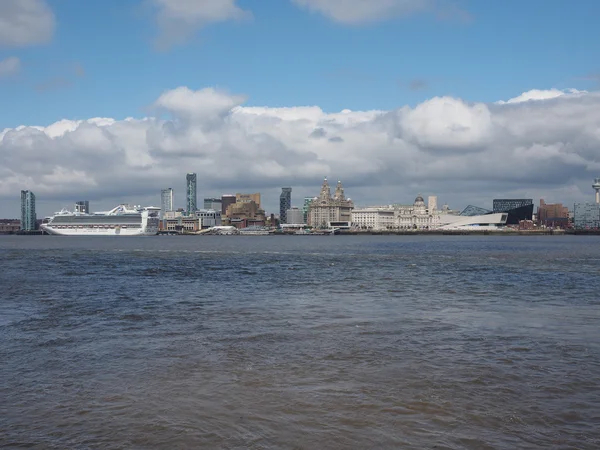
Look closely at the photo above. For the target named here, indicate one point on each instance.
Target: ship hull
(99, 231)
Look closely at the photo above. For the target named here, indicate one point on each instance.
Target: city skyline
(508, 117)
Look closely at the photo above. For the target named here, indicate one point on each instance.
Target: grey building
(212, 203)
(209, 217)
(82, 206)
(285, 203)
(191, 196)
(28, 217)
(226, 200)
(295, 216)
(166, 201)
(586, 216)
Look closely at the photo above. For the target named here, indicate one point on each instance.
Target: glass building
(166, 201)
(213, 203)
(586, 216)
(285, 203)
(28, 217)
(517, 208)
(305, 208)
(191, 197)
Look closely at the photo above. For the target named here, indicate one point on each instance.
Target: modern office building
(517, 209)
(28, 216)
(82, 206)
(327, 208)
(213, 203)
(226, 200)
(306, 207)
(586, 216)
(209, 217)
(294, 216)
(191, 204)
(166, 201)
(285, 203)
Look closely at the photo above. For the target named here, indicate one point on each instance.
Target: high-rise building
(82, 206)
(191, 196)
(28, 217)
(226, 200)
(213, 203)
(166, 201)
(247, 198)
(305, 208)
(285, 203)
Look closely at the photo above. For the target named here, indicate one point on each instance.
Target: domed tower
(419, 205)
(339, 191)
(596, 186)
(325, 191)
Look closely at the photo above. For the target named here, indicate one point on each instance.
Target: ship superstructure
(123, 220)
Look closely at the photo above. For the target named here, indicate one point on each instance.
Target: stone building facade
(327, 208)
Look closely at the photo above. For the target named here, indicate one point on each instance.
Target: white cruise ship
(123, 220)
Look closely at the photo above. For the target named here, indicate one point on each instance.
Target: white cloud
(537, 94)
(25, 22)
(179, 20)
(463, 152)
(365, 11)
(9, 66)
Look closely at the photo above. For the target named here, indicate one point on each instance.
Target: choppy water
(300, 342)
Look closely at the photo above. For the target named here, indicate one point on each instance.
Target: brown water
(300, 342)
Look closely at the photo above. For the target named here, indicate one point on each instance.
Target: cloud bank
(465, 152)
(25, 22)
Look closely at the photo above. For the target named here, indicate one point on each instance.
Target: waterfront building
(285, 203)
(9, 226)
(209, 217)
(327, 208)
(191, 196)
(166, 201)
(213, 203)
(28, 216)
(553, 214)
(586, 216)
(226, 200)
(517, 209)
(294, 216)
(82, 206)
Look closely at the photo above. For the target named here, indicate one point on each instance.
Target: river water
(300, 342)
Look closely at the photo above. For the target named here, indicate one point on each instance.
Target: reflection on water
(300, 342)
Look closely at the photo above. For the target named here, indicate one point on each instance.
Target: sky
(469, 100)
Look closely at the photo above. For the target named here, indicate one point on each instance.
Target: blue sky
(437, 69)
(101, 60)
